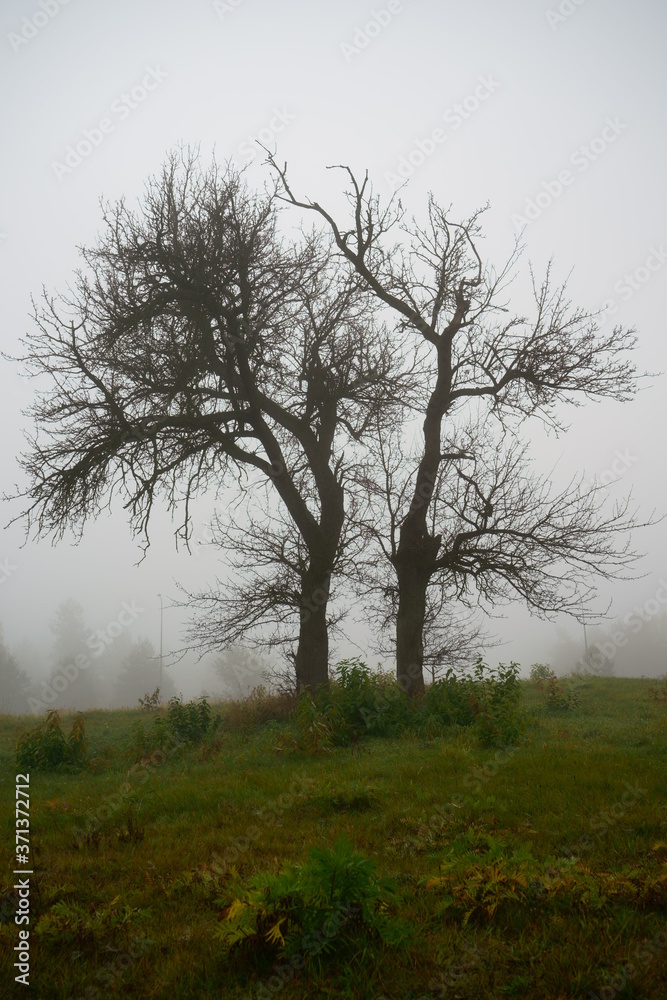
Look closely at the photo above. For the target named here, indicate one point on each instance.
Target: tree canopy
(202, 350)
(461, 517)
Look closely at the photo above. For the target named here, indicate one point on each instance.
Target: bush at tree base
(359, 702)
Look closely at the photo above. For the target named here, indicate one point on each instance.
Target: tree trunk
(312, 655)
(409, 631)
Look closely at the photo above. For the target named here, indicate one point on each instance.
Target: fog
(552, 112)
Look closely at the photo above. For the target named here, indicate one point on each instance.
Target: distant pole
(587, 656)
(161, 617)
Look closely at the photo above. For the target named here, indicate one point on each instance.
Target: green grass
(498, 905)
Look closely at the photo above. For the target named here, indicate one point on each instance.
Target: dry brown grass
(259, 707)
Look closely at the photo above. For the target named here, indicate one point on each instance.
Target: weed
(191, 722)
(186, 724)
(137, 745)
(363, 702)
(294, 911)
(555, 695)
(488, 700)
(502, 881)
(209, 750)
(359, 703)
(541, 672)
(69, 922)
(47, 748)
(658, 692)
(90, 839)
(151, 702)
(131, 833)
(449, 701)
(313, 730)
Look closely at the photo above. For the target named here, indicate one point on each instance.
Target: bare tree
(465, 517)
(197, 348)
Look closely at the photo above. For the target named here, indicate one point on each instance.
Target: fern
(71, 922)
(318, 907)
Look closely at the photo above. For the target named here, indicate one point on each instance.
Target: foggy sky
(503, 103)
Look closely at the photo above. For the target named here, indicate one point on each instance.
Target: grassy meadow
(532, 870)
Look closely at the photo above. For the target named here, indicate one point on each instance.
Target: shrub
(46, 747)
(451, 700)
(487, 700)
(188, 723)
(658, 692)
(313, 730)
(150, 702)
(360, 702)
(548, 685)
(541, 672)
(499, 718)
(318, 907)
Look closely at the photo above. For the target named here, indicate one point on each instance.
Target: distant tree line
(80, 675)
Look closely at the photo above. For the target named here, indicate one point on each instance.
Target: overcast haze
(507, 103)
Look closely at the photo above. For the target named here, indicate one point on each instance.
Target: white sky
(223, 72)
